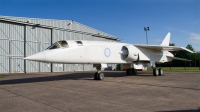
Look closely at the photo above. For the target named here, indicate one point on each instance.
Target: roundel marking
(107, 52)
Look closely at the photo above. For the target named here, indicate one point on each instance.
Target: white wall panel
(4, 47)
(4, 56)
(17, 48)
(58, 67)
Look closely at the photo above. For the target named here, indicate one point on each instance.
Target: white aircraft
(101, 53)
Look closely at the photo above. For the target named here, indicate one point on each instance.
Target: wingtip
(187, 50)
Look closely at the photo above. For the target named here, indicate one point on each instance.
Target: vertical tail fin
(166, 40)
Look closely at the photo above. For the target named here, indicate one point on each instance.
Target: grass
(180, 69)
(1, 76)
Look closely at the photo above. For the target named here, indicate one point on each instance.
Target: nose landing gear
(98, 75)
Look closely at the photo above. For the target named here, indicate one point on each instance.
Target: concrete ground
(78, 92)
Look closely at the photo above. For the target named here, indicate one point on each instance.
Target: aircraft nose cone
(36, 57)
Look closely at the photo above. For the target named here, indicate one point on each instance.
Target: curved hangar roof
(67, 25)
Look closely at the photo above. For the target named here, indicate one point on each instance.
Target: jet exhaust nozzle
(124, 52)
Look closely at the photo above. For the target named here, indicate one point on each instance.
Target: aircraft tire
(160, 72)
(134, 71)
(128, 72)
(131, 71)
(96, 76)
(155, 72)
(101, 76)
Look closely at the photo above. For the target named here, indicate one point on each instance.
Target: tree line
(194, 57)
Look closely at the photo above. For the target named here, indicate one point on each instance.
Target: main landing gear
(131, 71)
(158, 72)
(98, 75)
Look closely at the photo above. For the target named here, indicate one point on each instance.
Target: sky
(124, 19)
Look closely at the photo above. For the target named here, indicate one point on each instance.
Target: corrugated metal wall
(4, 47)
(18, 41)
(37, 39)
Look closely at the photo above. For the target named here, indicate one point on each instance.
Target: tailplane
(166, 40)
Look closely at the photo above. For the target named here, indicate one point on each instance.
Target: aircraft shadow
(198, 110)
(69, 76)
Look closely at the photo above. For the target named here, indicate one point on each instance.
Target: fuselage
(88, 52)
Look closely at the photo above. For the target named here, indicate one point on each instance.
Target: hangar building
(21, 37)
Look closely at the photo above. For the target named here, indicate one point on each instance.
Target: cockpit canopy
(59, 44)
(64, 44)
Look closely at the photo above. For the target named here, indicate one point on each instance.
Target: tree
(171, 44)
(190, 47)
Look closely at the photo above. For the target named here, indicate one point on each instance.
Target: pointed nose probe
(36, 57)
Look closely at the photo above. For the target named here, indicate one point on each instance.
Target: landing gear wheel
(155, 72)
(100, 76)
(128, 72)
(96, 76)
(131, 71)
(160, 72)
(134, 72)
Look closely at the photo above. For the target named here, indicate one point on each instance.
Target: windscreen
(56, 45)
(63, 44)
(59, 44)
